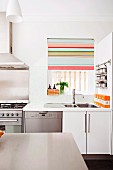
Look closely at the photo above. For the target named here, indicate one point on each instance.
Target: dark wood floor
(99, 164)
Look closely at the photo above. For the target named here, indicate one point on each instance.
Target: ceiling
(91, 8)
(97, 9)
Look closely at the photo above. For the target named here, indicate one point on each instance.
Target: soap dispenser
(49, 86)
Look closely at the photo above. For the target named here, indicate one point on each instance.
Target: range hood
(10, 62)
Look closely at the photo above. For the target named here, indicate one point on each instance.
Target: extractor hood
(9, 61)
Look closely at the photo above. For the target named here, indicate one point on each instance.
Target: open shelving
(101, 75)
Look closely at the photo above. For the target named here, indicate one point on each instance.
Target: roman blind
(70, 54)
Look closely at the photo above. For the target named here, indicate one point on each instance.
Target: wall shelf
(101, 76)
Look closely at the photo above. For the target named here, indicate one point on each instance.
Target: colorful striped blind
(70, 54)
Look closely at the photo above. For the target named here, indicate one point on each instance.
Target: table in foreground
(47, 151)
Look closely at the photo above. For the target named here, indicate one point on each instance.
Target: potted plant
(62, 85)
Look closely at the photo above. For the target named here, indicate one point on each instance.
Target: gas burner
(12, 105)
(19, 105)
(5, 106)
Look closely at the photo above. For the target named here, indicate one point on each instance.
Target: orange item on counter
(53, 92)
(1, 133)
(102, 100)
(105, 97)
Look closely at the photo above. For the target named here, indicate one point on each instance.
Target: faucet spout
(73, 92)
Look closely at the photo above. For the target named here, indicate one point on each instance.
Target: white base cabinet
(91, 130)
(99, 133)
(74, 122)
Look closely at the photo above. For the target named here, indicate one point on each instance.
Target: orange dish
(1, 133)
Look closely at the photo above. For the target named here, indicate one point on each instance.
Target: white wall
(30, 45)
(3, 5)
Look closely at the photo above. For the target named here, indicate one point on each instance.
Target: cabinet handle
(85, 123)
(43, 112)
(89, 124)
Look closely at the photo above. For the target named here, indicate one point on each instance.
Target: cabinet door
(74, 122)
(98, 132)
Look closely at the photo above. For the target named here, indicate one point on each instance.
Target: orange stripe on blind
(70, 46)
(66, 53)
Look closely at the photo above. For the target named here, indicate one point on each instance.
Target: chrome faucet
(73, 92)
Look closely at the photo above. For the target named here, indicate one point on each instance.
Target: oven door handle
(8, 120)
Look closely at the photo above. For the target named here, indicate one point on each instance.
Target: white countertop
(53, 151)
(59, 107)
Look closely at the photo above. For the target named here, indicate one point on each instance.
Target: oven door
(11, 125)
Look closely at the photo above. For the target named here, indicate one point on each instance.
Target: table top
(40, 151)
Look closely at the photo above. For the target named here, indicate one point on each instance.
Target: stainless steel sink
(81, 105)
(87, 105)
(70, 105)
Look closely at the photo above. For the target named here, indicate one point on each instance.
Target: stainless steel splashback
(14, 85)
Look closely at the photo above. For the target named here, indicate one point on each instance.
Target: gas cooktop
(12, 105)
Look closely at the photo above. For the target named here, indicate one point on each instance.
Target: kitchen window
(81, 80)
(71, 60)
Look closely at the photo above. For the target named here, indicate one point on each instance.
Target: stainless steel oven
(11, 117)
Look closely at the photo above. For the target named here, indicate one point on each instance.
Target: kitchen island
(47, 151)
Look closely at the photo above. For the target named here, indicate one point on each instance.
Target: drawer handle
(43, 113)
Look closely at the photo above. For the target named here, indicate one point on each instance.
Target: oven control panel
(10, 113)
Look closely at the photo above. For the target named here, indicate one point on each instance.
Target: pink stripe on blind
(70, 67)
(70, 45)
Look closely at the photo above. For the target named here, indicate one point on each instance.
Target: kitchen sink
(70, 105)
(87, 105)
(81, 105)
